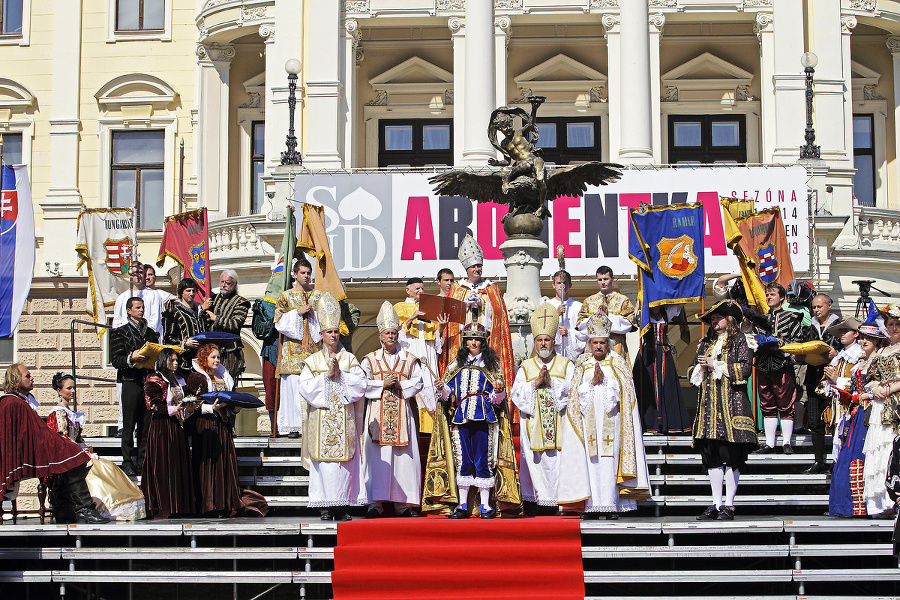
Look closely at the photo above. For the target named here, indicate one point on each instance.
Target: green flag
(281, 270)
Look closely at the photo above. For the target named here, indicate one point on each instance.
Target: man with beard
(227, 312)
(540, 391)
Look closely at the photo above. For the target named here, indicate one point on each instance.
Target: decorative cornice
(893, 44)
(757, 3)
(610, 23)
(215, 53)
(248, 13)
(351, 26)
(507, 4)
(356, 6)
(456, 24)
(267, 33)
(848, 22)
(604, 3)
(663, 3)
(451, 4)
(504, 24)
(657, 20)
(763, 21)
(867, 5)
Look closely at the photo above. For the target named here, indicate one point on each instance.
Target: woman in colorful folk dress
(166, 478)
(846, 498)
(723, 431)
(115, 496)
(884, 421)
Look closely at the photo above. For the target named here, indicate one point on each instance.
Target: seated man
(28, 448)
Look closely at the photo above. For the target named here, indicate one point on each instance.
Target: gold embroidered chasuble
(616, 303)
(292, 352)
(544, 425)
(585, 425)
(388, 418)
(332, 431)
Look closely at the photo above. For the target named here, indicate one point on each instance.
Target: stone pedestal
(522, 257)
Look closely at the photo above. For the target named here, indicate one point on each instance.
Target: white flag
(104, 243)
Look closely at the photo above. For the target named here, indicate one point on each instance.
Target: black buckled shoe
(726, 513)
(460, 512)
(487, 512)
(710, 514)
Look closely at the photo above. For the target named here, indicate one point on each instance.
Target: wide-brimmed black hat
(728, 308)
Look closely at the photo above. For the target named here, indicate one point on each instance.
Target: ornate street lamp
(291, 156)
(809, 149)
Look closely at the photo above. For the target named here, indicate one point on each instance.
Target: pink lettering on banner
(564, 225)
(490, 238)
(418, 232)
(714, 231)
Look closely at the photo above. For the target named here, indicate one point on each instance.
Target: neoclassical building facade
(176, 104)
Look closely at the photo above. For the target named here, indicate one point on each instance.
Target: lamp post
(809, 149)
(291, 156)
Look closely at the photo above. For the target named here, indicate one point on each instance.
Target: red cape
(28, 448)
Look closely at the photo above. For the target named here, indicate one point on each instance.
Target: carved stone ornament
(249, 13)
(663, 3)
(757, 3)
(356, 6)
(870, 93)
(609, 22)
(254, 102)
(658, 20)
(456, 24)
(202, 28)
(867, 5)
(451, 4)
(671, 94)
(742, 93)
(763, 20)
(448, 97)
(267, 32)
(847, 23)
(381, 98)
(211, 3)
(216, 53)
(351, 26)
(507, 4)
(520, 309)
(604, 3)
(893, 44)
(598, 94)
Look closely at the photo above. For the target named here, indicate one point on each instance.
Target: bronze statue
(523, 182)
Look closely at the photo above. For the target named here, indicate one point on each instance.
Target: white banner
(391, 225)
(104, 243)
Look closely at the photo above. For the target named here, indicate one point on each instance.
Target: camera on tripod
(862, 303)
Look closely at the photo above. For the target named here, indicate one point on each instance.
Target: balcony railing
(877, 228)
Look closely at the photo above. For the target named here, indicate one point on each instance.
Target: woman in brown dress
(212, 443)
(166, 478)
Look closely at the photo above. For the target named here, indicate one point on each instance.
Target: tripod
(862, 303)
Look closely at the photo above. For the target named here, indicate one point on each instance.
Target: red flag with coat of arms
(186, 241)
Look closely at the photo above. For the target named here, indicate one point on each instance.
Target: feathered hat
(328, 312)
(470, 252)
(544, 320)
(387, 317)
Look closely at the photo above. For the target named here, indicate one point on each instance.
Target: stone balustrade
(877, 228)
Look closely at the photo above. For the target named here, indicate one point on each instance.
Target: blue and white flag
(17, 245)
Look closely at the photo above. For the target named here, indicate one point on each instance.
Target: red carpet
(436, 557)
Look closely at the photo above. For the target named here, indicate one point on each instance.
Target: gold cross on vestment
(608, 440)
(592, 439)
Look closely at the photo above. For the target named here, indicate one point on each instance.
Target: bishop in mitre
(393, 468)
(540, 391)
(333, 383)
(603, 464)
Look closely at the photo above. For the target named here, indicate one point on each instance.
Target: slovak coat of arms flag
(667, 244)
(186, 241)
(105, 243)
(17, 245)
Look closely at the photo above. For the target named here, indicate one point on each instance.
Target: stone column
(656, 27)
(765, 33)
(613, 81)
(502, 27)
(848, 23)
(212, 143)
(458, 35)
(352, 56)
(325, 114)
(63, 201)
(276, 115)
(893, 44)
(480, 82)
(634, 89)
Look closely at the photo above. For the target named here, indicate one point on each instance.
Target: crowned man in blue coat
(474, 429)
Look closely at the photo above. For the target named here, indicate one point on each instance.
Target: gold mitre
(387, 317)
(470, 252)
(328, 312)
(598, 325)
(544, 320)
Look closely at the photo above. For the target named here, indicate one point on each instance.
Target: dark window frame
(870, 151)
(562, 153)
(140, 27)
(257, 156)
(138, 168)
(706, 153)
(9, 134)
(11, 34)
(417, 156)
